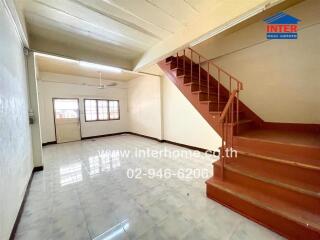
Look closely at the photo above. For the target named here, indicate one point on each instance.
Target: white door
(67, 120)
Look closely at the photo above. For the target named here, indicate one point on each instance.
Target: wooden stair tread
(216, 114)
(299, 161)
(243, 121)
(175, 68)
(276, 183)
(241, 166)
(204, 92)
(194, 77)
(219, 112)
(210, 101)
(269, 203)
(197, 84)
(286, 137)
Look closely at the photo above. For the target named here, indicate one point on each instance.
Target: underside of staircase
(275, 177)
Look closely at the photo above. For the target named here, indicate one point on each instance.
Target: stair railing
(227, 125)
(205, 70)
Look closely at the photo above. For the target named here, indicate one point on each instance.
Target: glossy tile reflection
(70, 174)
(84, 193)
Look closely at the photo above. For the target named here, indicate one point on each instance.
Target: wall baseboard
(38, 169)
(145, 136)
(216, 153)
(49, 143)
(104, 135)
(16, 223)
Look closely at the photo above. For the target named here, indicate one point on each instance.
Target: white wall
(149, 105)
(144, 105)
(280, 77)
(182, 123)
(34, 108)
(158, 109)
(15, 138)
(51, 86)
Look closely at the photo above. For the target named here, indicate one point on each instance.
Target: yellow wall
(281, 77)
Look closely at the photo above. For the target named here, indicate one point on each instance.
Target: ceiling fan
(102, 86)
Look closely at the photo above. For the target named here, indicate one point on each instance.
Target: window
(101, 110)
(90, 108)
(114, 109)
(66, 108)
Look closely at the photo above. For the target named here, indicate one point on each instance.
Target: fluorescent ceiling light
(56, 57)
(100, 67)
(231, 23)
(82, 63)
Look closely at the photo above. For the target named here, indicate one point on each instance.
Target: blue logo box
(282, 35)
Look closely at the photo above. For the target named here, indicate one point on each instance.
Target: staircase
(275, 177)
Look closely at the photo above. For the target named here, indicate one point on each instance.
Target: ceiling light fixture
(100, 67)
(82, 63)
(234, 22)
(56, 57)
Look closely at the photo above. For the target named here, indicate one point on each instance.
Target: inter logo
(282, 26)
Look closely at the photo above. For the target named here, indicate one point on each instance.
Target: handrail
(228, 105)
(210, 61)
(227, 123)
(226, 86)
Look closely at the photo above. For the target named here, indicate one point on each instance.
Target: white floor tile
(84, 193)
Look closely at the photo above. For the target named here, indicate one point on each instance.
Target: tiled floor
(84, 193)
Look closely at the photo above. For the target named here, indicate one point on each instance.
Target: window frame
(60, 98)
(118, 109)
(97, 109)
(85, 115)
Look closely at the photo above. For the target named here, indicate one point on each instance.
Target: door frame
(54, 115)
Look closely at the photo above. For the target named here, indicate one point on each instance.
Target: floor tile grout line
(74, 153)
(85, 218)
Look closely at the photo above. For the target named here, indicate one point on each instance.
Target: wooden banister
(219, 68)
(200, 74)
(228, 106)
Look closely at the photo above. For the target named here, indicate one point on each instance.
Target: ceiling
(73, 68)
(122, 28)
(242, 35)
(152, 69)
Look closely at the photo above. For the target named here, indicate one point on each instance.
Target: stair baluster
(279, 189)
(227, 118)
(199, 72)
(208, 79)
(184, 62)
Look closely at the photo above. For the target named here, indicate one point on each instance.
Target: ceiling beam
(73, 13)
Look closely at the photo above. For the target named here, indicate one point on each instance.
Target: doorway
(67, 119)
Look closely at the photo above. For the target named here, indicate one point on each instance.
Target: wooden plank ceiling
(124, 28)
